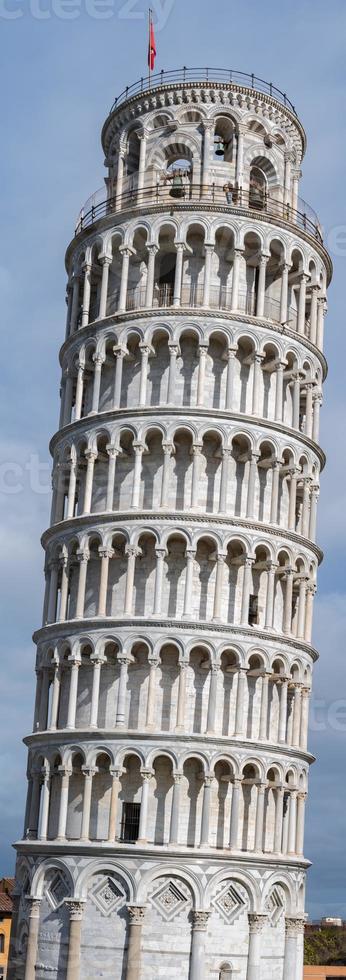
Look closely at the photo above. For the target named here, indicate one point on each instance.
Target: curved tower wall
(168, 764)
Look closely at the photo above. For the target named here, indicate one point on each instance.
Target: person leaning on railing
(232, 192)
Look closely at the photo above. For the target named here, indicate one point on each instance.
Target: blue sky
(62, 63)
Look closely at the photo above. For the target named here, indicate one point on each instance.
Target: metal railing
(192, 297)
(225, 76)
(164, 193)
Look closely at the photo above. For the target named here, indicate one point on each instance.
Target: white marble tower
(168, 764)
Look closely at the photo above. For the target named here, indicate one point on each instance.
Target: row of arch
(195, 373)
(255, 810)
(171, 690)
(175, 469)
(187, 269)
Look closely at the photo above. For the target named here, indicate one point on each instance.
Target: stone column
(105, 262)
(190, 557)
(64, 564)
(296, 400)
(313, 312)
(258, 358)
(119, 183)
(202, 353)
(238, 253)
(196, 454)
(71, 498)
(91, 456)
(261, 284)
(161, 554)
(302, 304)
(276, 465)
(132, 554)
(145, 351)
(173, 354)
(246, 591)
(292, 825)
(279, 809)
(297, 716)
(293, 961)
(120, 353)
(239, 714)
(304, 719)
(139, 450)
(226, 456)
(279, 391)
(75, 304)
(231, 355)
(256, 926)
(150, 716)
(95, 693)
(321, 310)
(88, 774)
(62, 819)
(143, 818)
(53, 590)
(68, 395)
(126, 254)
(240, 155)
(168, 451)
(283, 710)
(269, 615)
(234, 828)
(311, 592)
(207, 138)
(86, 294)
(292, 499)
(308, 412)
(317, 402)
(263, 732)
(113, 453)
(198, 938)
(105, 555)
(83, 558)
(149, 293)
(287, 177)
(208, 782)
(250, 505)
(122, 690)
(180, 247)
(306, 483)
(141, 166)
(212, 701)
(261, 788)
(31, 950)
(300, 824)
(43, 713)
(98, 362)
(208, 252)
(220, 565)
(175, 811)
(284, 294)
(44, 809)
(76, 909)
(136, 920)
(53, 721)
(113, 809)
(287, 617)
(296, 175)
(36, 776)
(72, 701)
(301, 608)
(180, 726)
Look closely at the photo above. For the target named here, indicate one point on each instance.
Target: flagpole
(149, 48)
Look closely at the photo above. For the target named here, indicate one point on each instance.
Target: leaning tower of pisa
(168, 763)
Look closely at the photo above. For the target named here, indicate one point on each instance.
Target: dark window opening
(130, 822)
(253, 610)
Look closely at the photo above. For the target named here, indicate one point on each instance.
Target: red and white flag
(152, 44)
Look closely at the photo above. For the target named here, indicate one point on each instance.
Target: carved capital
(294, 927)
(200, 920)
(75, 908)
(257, 922)
(136, 914)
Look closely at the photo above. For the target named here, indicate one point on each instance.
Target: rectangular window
(130, 822)
(253, 610)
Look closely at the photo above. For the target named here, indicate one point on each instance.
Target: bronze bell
(219, 148)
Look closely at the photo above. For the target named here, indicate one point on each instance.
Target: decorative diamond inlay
(107, 895)
(230, 902)
(275, 905)
(57, 890)
(169, 900)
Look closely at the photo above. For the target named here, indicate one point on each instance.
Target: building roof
(7, 885)
(5, 903)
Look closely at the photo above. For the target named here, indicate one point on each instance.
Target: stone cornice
(150, 517)
(222, 743)
(140, 624)
(170, 313)
(99, 419)
(222, 858)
